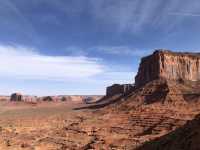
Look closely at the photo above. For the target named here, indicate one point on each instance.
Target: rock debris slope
(184, 138)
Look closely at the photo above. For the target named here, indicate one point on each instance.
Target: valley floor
(57, 126)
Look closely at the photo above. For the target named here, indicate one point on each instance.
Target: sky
(79, 47)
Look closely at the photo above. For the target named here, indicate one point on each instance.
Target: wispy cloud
(184, 14)
(137, 15)
(121, 14)
(11, 14)
(22, 62)
(131, 16)
(122, 50)
(109, 50)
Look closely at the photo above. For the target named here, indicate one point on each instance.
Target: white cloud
(22, 62)
(78, 74)
(136, 15)
(122, 50)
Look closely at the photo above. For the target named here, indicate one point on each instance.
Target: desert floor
(36, 126)
(57, 126)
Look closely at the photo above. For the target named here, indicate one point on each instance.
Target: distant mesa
(63, 99)
(48, 99)
(16, 97)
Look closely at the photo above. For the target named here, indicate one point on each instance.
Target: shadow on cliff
(183, 138)
(158, 94)
(155, 91)
(107, 100)
(148, 95)
(102, 103)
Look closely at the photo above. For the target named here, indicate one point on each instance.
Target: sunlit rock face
(170, 66)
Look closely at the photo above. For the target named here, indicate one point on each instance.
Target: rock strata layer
(170, 66)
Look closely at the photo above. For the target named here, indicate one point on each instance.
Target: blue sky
(52, 47)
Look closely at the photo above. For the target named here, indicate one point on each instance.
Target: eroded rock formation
(48, 98)
(119, 89)
(16, 97)
(170, 66)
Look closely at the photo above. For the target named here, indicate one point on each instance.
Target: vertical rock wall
(170, 66)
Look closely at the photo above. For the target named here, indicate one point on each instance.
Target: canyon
(161, 109)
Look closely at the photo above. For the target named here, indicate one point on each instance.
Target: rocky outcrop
(183, 138)
(164, 77)
(119, 89)
(48, 98)
(170, 66)
(16, 97)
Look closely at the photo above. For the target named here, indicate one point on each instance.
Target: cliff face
(119, 89)
(170, 66)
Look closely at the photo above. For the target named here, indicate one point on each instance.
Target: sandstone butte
(166, 95)
(170, 66)
(164, 69)
(16, 97)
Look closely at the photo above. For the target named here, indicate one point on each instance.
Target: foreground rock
(159, 104)
(184, 138)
